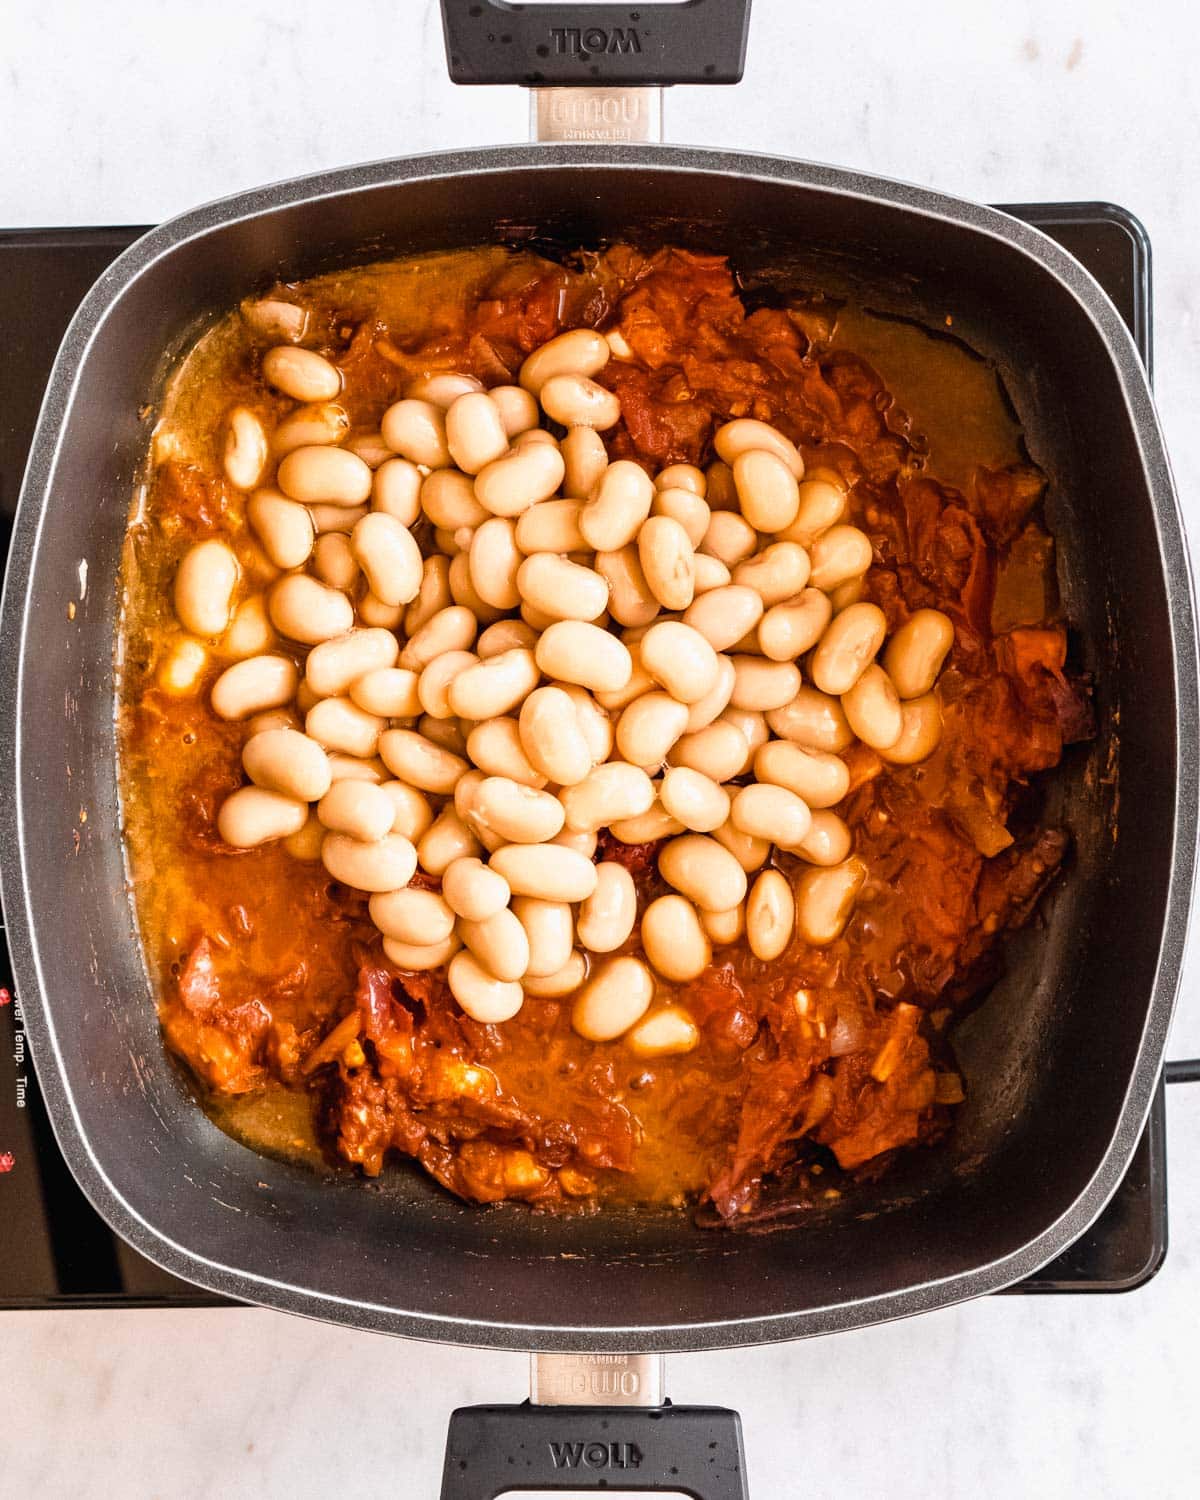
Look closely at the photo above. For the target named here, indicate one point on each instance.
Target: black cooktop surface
(54, 1250)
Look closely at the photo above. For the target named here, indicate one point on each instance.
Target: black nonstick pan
(1061, 1060)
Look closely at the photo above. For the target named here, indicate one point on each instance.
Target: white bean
(417, 760)
(839, 555)
(607, 794)
(283, 526)
(515, 814)
(384, 865)
(770, 812)
(419, 957)
(565, 982)
(790, 629)
(552, 526)
(307, 611)
(827, 841)
(730, 537)
(921, 733)
(649, 726)
(915, 653)
(745, 433)
(246, 451)
(813, 719)
(443, 388)
(358, 808)
(550, 931)
(473, 890)
(301, 374)
(680, 659)
(574, 400)
(668, 561)
(411, 813)
(417, 431)
(335, 665)
(666, 1032)
(724, 927)
(552, 738)
(494, 745)
(494, 687)
(685, 506)
(711, 573)
(620, 503)
(390, 692)
(447, 839)
(255, 684)
(204, 588)
(822, 505)
(613, 999)
(648, 828)
(750, 851)
(767, 489)
(593, 721)
(518, 409)
(822, 780)
(559, 588)
(872, 709)
(724, 615)
(388, 554)
(585, 458)
(825, 900)
(705, 710)
(606, 918)
(396, 491)
(334, 561)
(305, 843)
(630, 598)
(484, 998)
(847, 648)
(718, 751)
(250, 632)
(760, 686)
(412, 915)
(320, 475)
(448, 499)
(340, 725)
(701, 869)
(475, 433)
(777, 573)
(770, 915)
(434, 683)
(674, 940)
(524, 476)
(283, 760)
(580, 351)
(694, 800)
(547, 870)
(573, 651)
(252, 816)
(314, 425)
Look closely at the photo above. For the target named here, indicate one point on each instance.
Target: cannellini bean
(483, 997)
(559, 588)
(417, 431)
(246, 451)
(770, 812)
(301, 374)
(335, 518)
(649, 726)
(448, 838)
(839, 555)
(790, 629)
(813, 719)
(181, 672)
(273, 718)
(613, 999)
(701, 869)
(748, 849)
(450, 629)
(586, 458)
(494, 687)
(504, 635)
(378, 615)
(744, 433)
(767, 490)
(763, 685)
(516, 814)
(388, 554)
(711, 573)
(686, 507)
(534, 436)
(872, 709)
(442, 388)
(475, 433)
(847, 648)
(630, 598)
(518, 409)
(257, 683)
(682, 477)
(668, 562)
(827, 841)
(334, 562)
(820, 779)
(565, 982)
(495, 746)
(825, 900)
(552, 526)
(433, 595)
(577, 401)
(667, 1032)
(320, 475)
(582, 840)
(252, 816)
(547, 870)
(370, 447)
(693, 800)
(283, 760)
(524, 476)
(358, 808)
(306, 843)
(318, 423)
(705, 710)
(552, 737)
(550, 930)
(396, 491)
(304, 610)
(729, 537)
(822, 505)
(448, 499)
(680, 659)
(433, 685)
(474, 891)
(724, 615)
(648, 829)
(306, 698)
(573, 651)
(921, 733)
(674, 940)
(753, 728)
(619, 504)
(724, 927)
(447, 733)
(494, 561)
(204, 588)
(462, 591)
(847, 593)
(607, 794)
(350, 767)
(417, 760)
(581, 351)
(271, 317)
(340, 725)
(718, 751)
(283, 526)
(419, 957)
(777, 573)
(770, 915)
(411, 813)
(412, 915)
(606, 918)
(389, 692)
(595, 723)
(250, 631)
(640, 681)
(335, 665)
(915, 654)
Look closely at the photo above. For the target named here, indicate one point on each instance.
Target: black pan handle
(1184, 1070)
(551, 46)
(696, 1450)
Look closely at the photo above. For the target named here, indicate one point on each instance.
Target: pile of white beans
(497, 643)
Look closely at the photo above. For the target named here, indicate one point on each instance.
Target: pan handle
(564, 45)
(695, 1450)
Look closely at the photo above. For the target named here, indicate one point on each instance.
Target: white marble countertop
(129, 114)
